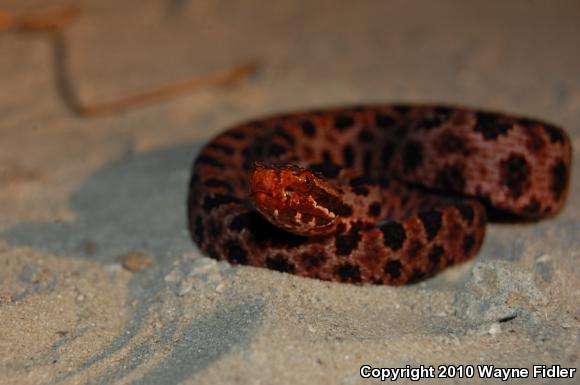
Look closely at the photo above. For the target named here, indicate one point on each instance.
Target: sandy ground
(99, 281)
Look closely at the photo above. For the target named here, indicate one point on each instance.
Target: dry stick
(48, 19)
(44, 20)
(68, 93)
(53, 21)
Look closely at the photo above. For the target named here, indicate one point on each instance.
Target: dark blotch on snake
(348, 273)
(368, 162)
(282, 133)
(375, 209)
(533, 207)
(211, 201)
(514, 174)
(558, 179)
(276, 150)
(236, 253)
(210, 160)
(213, 182)
(490, 126)
(313, 260)
(417, 275)
(431, 222)
(468, 243)
(555, 134)
(451, 178)
(412, 156)
(343, 122)
(328, 169)
(199, 237)
(385, 121)
(346, 243)
(280, 263)
(430, 122)
(387, 153)
(393, 269)
(365, 136)
(362, 181)
(361, 190)
(466, 212)
(435, 254)
(308, 128)
(348, 155)
(393, 235)
(450, 143)
(237, 135)
(228, 150)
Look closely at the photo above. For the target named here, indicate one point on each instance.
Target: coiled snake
(384, 194)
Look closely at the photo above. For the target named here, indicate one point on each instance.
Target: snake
(375, 194)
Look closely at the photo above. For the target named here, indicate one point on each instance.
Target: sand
(99, 280)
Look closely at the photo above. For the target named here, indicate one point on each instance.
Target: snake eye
(308, 183)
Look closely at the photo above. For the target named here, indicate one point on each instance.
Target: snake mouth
(291, 219)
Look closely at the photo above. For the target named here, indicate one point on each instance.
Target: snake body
(382, 194)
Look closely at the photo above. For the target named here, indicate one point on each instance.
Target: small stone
(498, 290)
(202, 268)
(495, 329)
(220, 287)
(113, 267)
(185, 286)
(544, 258)
(6, 298)
(136, 261)
(173, 277)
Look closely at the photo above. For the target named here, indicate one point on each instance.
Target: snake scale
(380, 194)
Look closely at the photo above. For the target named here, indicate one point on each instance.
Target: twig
(47, 19)
(167, 91)
(53, 21)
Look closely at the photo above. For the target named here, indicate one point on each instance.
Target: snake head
(295, 199)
